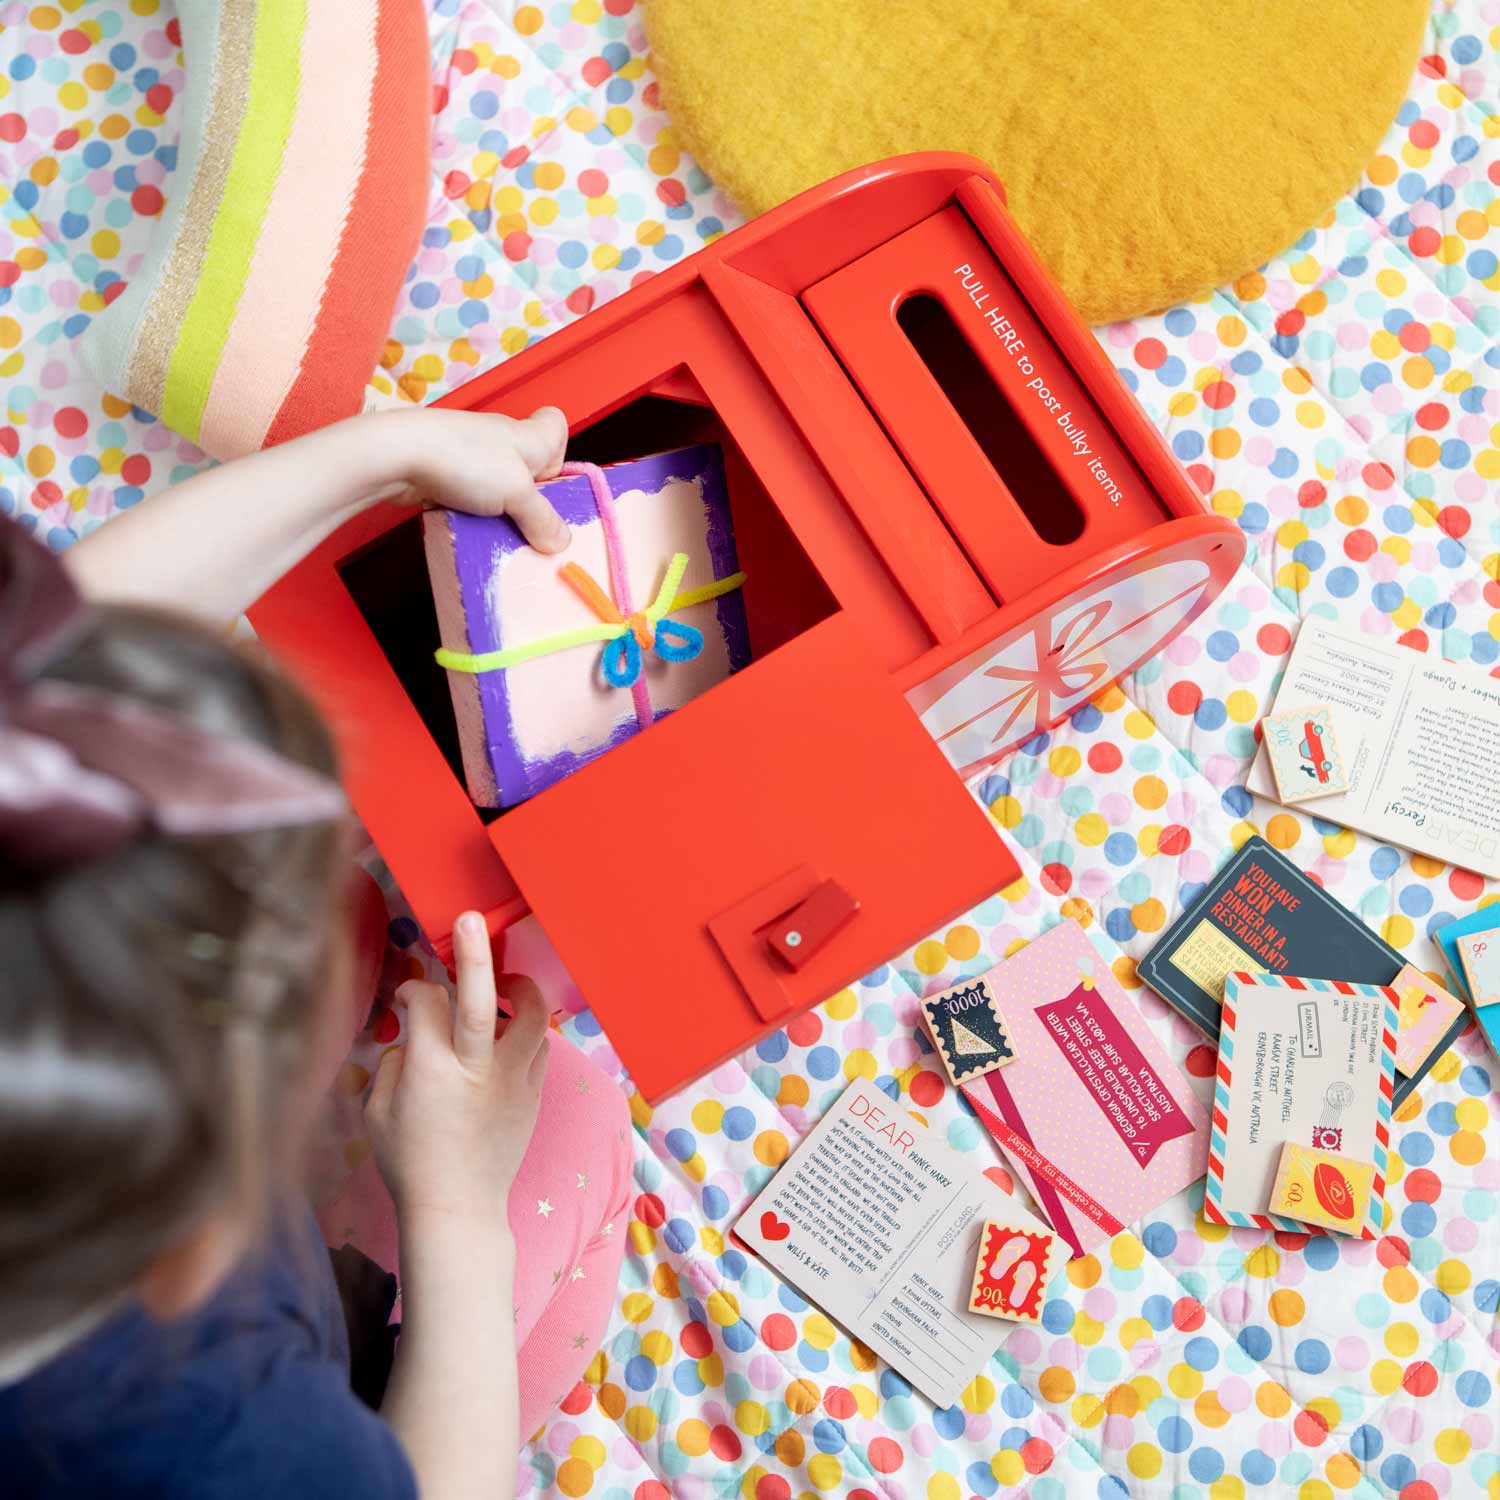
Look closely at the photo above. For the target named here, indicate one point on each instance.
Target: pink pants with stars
(567, 1215)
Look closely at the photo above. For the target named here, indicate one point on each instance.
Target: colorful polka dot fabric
(1342, 404)
(556, 184)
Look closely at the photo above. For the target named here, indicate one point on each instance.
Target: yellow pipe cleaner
(612, 625)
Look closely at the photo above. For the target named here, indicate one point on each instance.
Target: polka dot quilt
(1342, 404)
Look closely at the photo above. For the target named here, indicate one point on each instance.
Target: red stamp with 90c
(1012, 1271)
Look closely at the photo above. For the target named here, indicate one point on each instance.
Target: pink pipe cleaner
(619, 578)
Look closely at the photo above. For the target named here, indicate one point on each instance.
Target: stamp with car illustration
(1304, 754)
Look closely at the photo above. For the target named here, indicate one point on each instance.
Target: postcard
(1098, 1120)
(1310, 1061)
(877, 1221)
(1420, 739)
(1260, 913)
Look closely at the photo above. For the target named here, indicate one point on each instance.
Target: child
(174, 981)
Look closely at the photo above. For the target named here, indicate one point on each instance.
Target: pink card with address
(1098, 1120)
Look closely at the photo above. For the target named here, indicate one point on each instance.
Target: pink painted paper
(1098, 1120)
(562, 705)
(526, 726)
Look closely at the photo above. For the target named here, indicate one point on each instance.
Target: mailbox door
(658, 869)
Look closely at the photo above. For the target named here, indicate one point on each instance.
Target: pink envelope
(1093, 1114)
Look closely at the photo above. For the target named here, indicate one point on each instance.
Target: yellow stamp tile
(1322, 1188)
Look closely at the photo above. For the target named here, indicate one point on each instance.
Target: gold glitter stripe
(147, 379)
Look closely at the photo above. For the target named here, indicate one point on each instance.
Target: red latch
(796, 937)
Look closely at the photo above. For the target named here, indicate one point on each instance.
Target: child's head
(157, 990)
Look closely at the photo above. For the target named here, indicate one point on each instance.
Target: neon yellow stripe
(275, 82)
(494, 661)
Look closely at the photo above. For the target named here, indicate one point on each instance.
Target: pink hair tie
(83, 770)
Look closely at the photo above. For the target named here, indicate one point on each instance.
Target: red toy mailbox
(942, 493)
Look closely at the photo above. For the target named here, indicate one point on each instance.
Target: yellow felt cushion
(1152, 149)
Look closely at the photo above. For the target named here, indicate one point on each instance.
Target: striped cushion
(262, 305)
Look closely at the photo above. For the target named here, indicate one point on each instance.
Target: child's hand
(271, 509)
(476, 461)
(452, 1111)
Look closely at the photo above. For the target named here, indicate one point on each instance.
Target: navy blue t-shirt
(249, 1397)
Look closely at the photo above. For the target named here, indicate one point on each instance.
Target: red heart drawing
(772, 1227)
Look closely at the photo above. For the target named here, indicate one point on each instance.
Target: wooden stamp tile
(1427, 1011)
(1479, 954)
(1304, 754)
(967, 1030)
(1012, 1271)
(1320, 1187)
